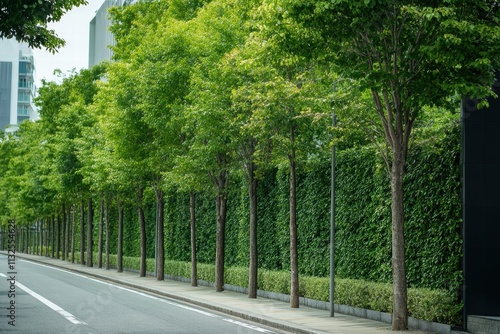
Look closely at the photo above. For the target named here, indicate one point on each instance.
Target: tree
(148, 45)
(163, 60)
(26, 21)
(279, 122)
(281, 92)
(216, 30)
(128, 138)
(65, 121)
(409, 55)
(233, 80)
(22, 177)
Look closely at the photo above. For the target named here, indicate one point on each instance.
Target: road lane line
(70, 317)
(166, 301)
(209, 314)
(243, 324)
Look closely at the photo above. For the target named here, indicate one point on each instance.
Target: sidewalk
(268, 312)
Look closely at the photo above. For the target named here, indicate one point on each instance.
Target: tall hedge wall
(362, 243)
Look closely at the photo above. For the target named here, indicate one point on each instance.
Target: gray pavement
(268, 312)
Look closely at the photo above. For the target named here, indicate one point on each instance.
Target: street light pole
(332, 223)
(156, 238)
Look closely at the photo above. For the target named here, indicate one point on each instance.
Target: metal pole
(332, 227)
(156, 238)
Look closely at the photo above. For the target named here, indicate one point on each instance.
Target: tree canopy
(26, 21)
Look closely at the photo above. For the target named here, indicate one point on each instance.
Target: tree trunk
(63, 233)
(73, 223)
(58, 237)
(194, 267)
(119, 252)
(106, 246)
(160, 237)
(20, 236)
(66, 235)
(82, 233)
(24, 232)
(142, 228)
(252, 194)
(40, 224)
(28, 240)
(221, 206)
(99, 242)
(90, 239)
(294, 265)
(400, 313)
(52, 236)
(47, 238)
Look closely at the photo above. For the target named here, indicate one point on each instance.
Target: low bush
(236, 276)
(434, 305)
(178, 268)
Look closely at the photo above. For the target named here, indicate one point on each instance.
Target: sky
(74, 29)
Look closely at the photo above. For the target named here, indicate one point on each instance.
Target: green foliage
(434, 305)
(237, 276)
(27, 21)
(177, 226)
(206, 272)
(129, 24)
(270, 251)
(362, 216)
(178, 268)
(275, 281)
(434, 215)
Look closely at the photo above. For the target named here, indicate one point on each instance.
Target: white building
(17, 89)
(100, 38)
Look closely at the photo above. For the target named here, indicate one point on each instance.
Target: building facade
(100, 38)
(480, 164)
(17, 88)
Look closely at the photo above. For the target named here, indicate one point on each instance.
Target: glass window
(22, 118)
(23, 110)
(23, 96)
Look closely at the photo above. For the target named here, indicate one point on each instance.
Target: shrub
(236, 276)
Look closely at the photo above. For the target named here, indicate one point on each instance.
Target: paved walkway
(265, 311)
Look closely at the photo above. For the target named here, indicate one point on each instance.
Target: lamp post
(332, 222)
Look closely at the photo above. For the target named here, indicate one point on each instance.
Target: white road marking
(208, 314)
(70, 317)
(212, 315)
(243, 324)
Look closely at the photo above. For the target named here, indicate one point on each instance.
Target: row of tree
(201, 90)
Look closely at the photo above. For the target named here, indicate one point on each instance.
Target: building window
(25, 68)
(21, 119)
(24, 83)
(23, 110)
(23, 96)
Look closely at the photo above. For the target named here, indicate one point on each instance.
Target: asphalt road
(50, 300)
